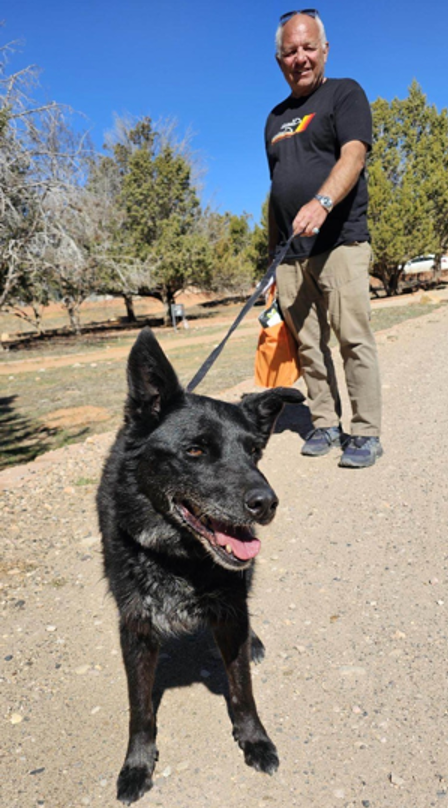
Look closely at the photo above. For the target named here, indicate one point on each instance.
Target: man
(316, 142)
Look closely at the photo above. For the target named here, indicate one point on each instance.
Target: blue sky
(211, 67)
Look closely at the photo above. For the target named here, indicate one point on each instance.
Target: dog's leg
(140, 653)
(233, 640)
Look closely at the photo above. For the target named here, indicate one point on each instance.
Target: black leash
(262, 287)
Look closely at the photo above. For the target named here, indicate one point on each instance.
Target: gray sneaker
(360, 452)
(319, 441)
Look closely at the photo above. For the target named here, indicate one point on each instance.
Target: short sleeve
(352, 114)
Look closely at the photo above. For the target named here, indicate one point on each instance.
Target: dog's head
(195, 458)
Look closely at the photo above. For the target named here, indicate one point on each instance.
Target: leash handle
(266, 281)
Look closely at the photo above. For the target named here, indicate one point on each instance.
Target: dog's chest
(176, 604)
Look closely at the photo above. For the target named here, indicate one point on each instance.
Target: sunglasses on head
(310, 12)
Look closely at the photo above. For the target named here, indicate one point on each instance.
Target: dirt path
(350, 599)
(186, 337)
(167, 339)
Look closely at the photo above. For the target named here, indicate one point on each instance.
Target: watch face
(325, 201)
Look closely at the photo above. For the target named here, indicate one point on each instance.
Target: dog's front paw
(262, 755)
(132, 783)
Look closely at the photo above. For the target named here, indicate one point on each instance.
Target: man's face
(303, 55)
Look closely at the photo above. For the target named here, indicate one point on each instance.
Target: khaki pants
(327, 291)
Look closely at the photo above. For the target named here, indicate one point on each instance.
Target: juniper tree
(408, 183)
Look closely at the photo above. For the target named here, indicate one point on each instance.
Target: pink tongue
(241, 549)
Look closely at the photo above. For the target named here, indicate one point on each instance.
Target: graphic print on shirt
(296, 126)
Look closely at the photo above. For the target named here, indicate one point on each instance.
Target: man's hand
(342, 178)
(309, 218)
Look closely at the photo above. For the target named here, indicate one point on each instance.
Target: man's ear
(264, 408)
(152, 381)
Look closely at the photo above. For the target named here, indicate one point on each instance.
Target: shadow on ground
(22, 438)
(189, 659)
(295, 418)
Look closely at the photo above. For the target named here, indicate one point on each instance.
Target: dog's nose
(261, 504)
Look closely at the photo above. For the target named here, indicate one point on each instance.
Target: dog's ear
(264, 408)
(152, 382)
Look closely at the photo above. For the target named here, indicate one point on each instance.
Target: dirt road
(351, 600)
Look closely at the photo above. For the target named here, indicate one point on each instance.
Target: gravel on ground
(350, 599)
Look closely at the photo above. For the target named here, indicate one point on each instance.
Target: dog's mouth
(234, 545)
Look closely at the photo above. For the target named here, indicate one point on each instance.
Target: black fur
(179, 495)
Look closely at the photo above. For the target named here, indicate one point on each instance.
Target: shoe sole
(325, 450)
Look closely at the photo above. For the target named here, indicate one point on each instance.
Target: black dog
(178, 498)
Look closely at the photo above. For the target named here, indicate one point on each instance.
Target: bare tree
(48, 223)
(20, 186)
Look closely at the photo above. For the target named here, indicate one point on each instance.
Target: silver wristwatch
(325, 201)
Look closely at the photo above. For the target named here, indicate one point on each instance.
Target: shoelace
(320, 431)
(358, 441)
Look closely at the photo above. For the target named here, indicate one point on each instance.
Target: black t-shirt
(303, 142)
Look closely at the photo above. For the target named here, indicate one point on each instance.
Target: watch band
(325, 201)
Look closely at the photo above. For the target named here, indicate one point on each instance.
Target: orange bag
(276, 359)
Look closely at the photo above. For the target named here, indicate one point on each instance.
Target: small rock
(167, 772)
(89, 541)
(396, 780)
(82, 669)
(16, 718)
(352, 670)
(51, 628)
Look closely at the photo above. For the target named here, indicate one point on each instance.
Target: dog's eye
(195, 451)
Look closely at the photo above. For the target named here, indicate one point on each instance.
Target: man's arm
(342, 178)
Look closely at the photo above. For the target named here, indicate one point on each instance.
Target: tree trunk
(73, 314)
(37, 318)
(35, 321)
(129, 303)
(168, 299)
